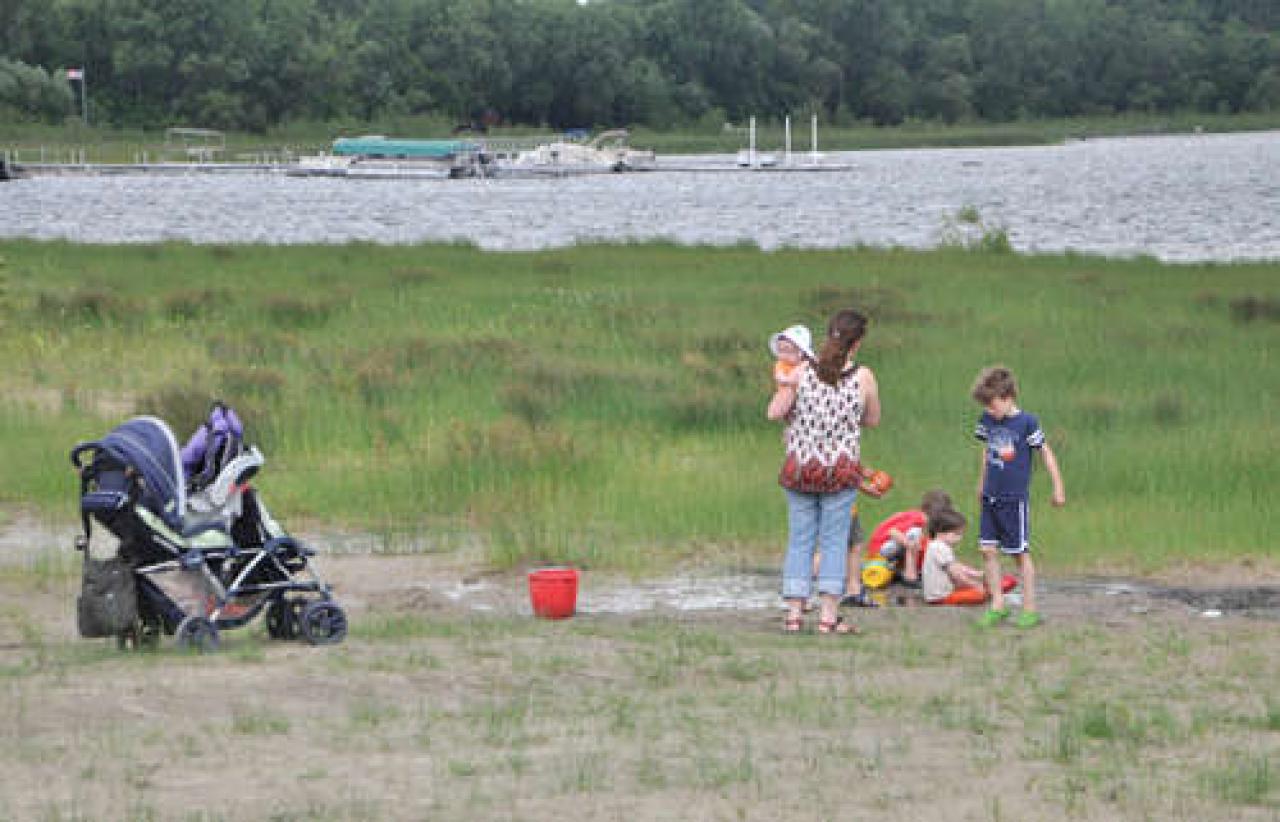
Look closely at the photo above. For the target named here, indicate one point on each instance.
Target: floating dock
(163, 169)
(375, 157)
(388, 170)
(775, 168)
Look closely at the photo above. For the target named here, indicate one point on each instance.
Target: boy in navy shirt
(1009, 435)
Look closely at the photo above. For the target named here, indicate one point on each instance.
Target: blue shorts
(1006, 521)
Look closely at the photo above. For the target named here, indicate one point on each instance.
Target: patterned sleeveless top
(822, 435)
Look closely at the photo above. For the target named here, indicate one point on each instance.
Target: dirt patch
(435, 581)
(662, 699)
(107, 405)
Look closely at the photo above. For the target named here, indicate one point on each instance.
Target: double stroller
(197, 551)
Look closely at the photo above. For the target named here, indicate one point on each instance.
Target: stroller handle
(80, 449)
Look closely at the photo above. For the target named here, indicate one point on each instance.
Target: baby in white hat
(792, 347)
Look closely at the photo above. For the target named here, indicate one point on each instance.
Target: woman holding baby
(825, 403)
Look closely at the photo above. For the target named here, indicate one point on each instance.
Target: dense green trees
(254, 63)
(27, 91)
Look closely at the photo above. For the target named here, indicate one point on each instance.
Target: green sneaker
(992, 617)
(1027, 619)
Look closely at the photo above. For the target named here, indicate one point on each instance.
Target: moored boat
(607, 152)
(378, 157)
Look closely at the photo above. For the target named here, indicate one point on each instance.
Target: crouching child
(946, 580)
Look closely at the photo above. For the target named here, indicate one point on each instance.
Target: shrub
(193, 303)
(1252, 307)
(253, 381)
(92, 306)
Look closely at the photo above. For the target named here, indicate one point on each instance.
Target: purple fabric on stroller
(210, 440)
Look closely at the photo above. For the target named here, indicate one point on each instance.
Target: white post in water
(751, 143)
(813, 129)
(787, 142)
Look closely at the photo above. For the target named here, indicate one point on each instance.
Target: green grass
(1244, 779)
(258, 722)
(604, 405)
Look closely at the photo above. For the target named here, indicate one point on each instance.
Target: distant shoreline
(112, 145)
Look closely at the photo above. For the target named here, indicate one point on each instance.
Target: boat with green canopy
(377, 157)
(383, 148)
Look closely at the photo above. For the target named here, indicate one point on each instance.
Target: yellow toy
(876, 573)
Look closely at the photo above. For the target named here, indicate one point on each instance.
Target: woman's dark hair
(948, 519)
(843, 332)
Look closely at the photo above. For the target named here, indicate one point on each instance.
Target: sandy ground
(669, 699)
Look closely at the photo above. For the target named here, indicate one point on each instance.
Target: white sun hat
(798, 334)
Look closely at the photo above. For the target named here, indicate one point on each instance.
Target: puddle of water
(745, 592)
(26, 540)
(760, 591)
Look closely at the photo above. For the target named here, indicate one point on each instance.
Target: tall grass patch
(605, 404)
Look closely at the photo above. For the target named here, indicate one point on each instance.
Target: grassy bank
(604, 405)
(70, 143)
(771, 136)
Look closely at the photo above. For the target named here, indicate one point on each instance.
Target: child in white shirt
(946, 580)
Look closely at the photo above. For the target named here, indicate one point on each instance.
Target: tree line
(254, 64)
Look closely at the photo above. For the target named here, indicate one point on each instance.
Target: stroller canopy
(148, 445)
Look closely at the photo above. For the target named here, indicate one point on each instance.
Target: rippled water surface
(1202, 197)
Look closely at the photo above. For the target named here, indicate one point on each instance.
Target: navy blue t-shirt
(1009, 442)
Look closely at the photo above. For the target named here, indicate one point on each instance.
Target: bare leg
(795, 615)
(817, 561)
(991, 570)
(1027, 570)
(829, 609)
(911, 560)
(853, 583)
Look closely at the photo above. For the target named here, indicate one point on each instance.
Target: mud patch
(1263, 600)
(368, 571)
(1260, 601)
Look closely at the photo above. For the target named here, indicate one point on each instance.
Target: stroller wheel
(197, 634)
(128, 640)
(282, 619)
(143, 635)
(323, 623)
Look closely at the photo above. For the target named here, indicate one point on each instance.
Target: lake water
(1178, 198)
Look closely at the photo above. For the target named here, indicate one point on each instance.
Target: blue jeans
(818, 521)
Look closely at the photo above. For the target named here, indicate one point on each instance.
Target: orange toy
(873, 482)
(784, 370)
(976, 596)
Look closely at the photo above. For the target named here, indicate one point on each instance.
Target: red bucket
(553, 592)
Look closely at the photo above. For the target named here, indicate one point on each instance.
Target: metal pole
(84, 96)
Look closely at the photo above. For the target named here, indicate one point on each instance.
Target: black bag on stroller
(108, 601)
(189, 576)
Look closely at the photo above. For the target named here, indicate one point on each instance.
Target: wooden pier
(777, 168)
(392, 170)
(161, 169)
